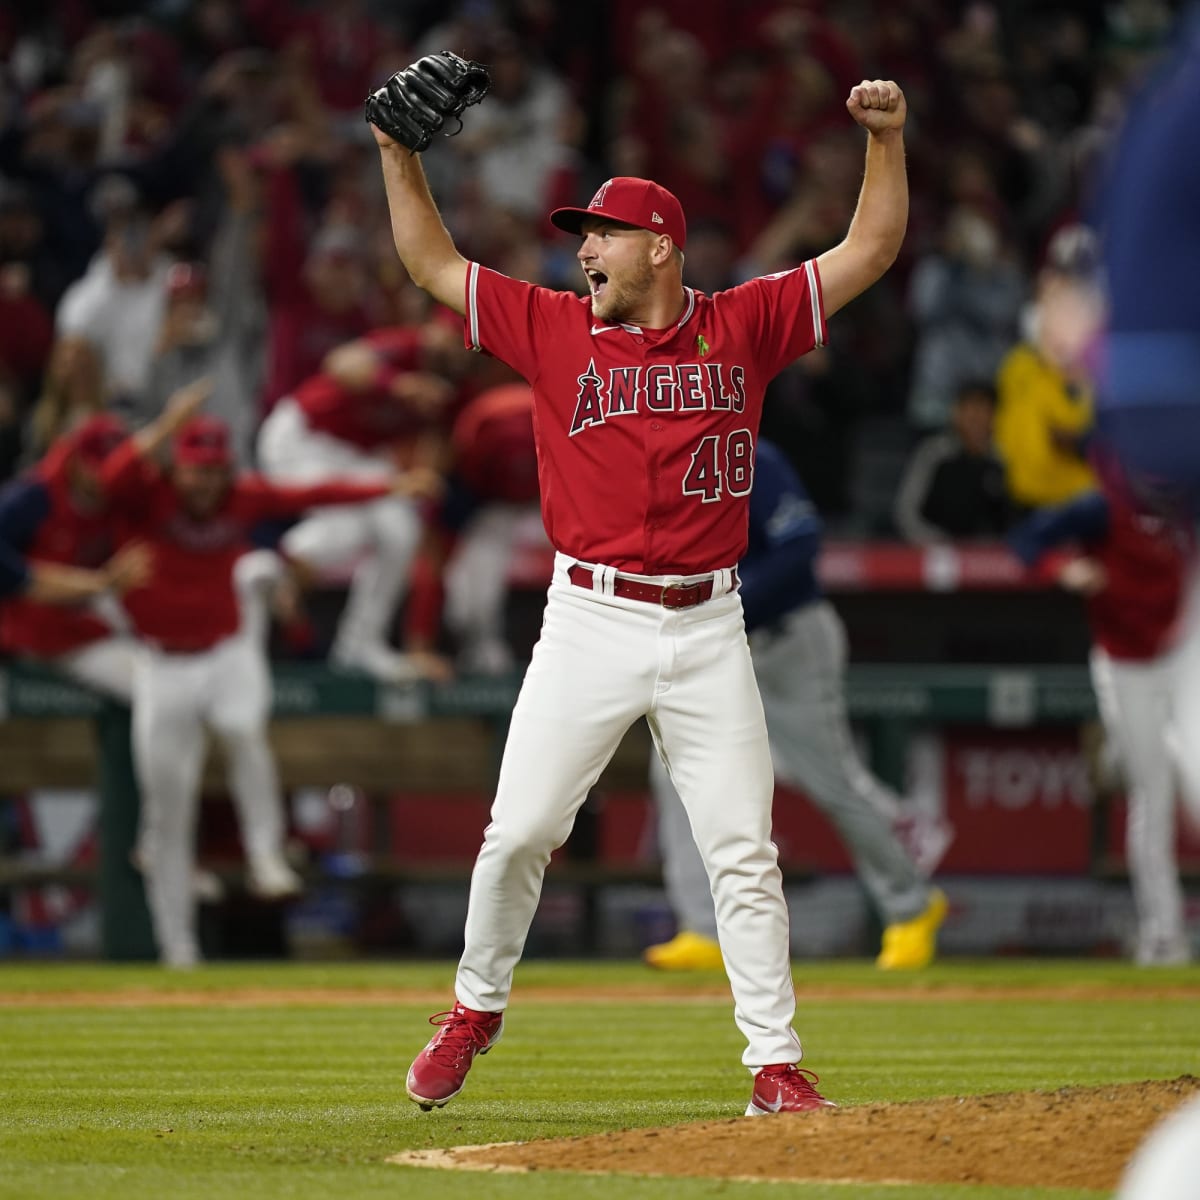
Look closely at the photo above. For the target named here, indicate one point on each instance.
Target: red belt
(669, 595)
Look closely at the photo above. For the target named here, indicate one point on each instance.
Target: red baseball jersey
(373, 417)
(646, 437)
(62, 532)
(493, 443)
(1148, 562)
(189, 603)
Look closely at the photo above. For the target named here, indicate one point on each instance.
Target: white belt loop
(603, 579)
(722, 581)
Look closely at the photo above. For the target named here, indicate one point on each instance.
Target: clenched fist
(877, 105)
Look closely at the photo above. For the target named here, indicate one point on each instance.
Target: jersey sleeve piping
(472, 307)
(818, 305)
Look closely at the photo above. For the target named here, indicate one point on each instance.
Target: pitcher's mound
(1075, 1137)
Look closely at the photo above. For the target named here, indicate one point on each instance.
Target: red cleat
(440, 1070)
(785, 1087)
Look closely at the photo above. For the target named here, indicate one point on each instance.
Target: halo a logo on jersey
(658, 388)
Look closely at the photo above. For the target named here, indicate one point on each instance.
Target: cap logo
(656, 218)
(598, 199)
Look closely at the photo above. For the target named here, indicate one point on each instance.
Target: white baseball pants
(104, 666)
(387, 530)
(1136, 702)
(800, 670)
(1185, 734)
(600, 664)
(177, 699)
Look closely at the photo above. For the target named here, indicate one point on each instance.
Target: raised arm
(877, 230)
(405, 115)
(132, 466)
(180, 407)
(422, 240)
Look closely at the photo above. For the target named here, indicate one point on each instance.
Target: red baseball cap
(97, 437)
(633, 201)
(203, 442)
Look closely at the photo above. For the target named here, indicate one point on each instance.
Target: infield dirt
(1073, 1138)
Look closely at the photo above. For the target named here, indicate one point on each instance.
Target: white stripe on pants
(601, 663)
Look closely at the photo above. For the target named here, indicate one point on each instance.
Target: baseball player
(55, 534)
(199, 666)
(492, 493)
(1148, 405)
(798, 645)
(647, 397)
(1132, 568)
(344, 424)
(55, 525)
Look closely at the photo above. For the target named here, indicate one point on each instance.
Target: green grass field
(116, 1094)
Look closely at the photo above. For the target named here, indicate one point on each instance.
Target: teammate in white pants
(345, 424)
(798, 645)
(1148, 401)
(647, 399)
(1133, 567)
(200, 667)
(57, 515)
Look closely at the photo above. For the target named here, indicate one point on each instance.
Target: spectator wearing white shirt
(117, 306)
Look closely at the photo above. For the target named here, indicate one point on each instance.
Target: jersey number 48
(713, 474)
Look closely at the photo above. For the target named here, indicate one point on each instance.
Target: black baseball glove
(413, 105)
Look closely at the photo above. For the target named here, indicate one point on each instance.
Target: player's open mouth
(597, 281)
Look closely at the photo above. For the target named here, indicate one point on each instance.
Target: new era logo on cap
(632, 201)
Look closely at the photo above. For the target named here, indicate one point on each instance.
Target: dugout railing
(37, 707)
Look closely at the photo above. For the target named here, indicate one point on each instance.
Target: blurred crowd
(188, 190)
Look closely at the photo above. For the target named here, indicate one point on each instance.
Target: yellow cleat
(910, 945)
(686, 951)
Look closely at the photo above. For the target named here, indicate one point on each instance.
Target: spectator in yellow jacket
(1044, 413)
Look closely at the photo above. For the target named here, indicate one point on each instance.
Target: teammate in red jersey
(1132, 567)
(55, 538)
(647, 398)
(491, 504)
(198, 666)
(372, 399)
